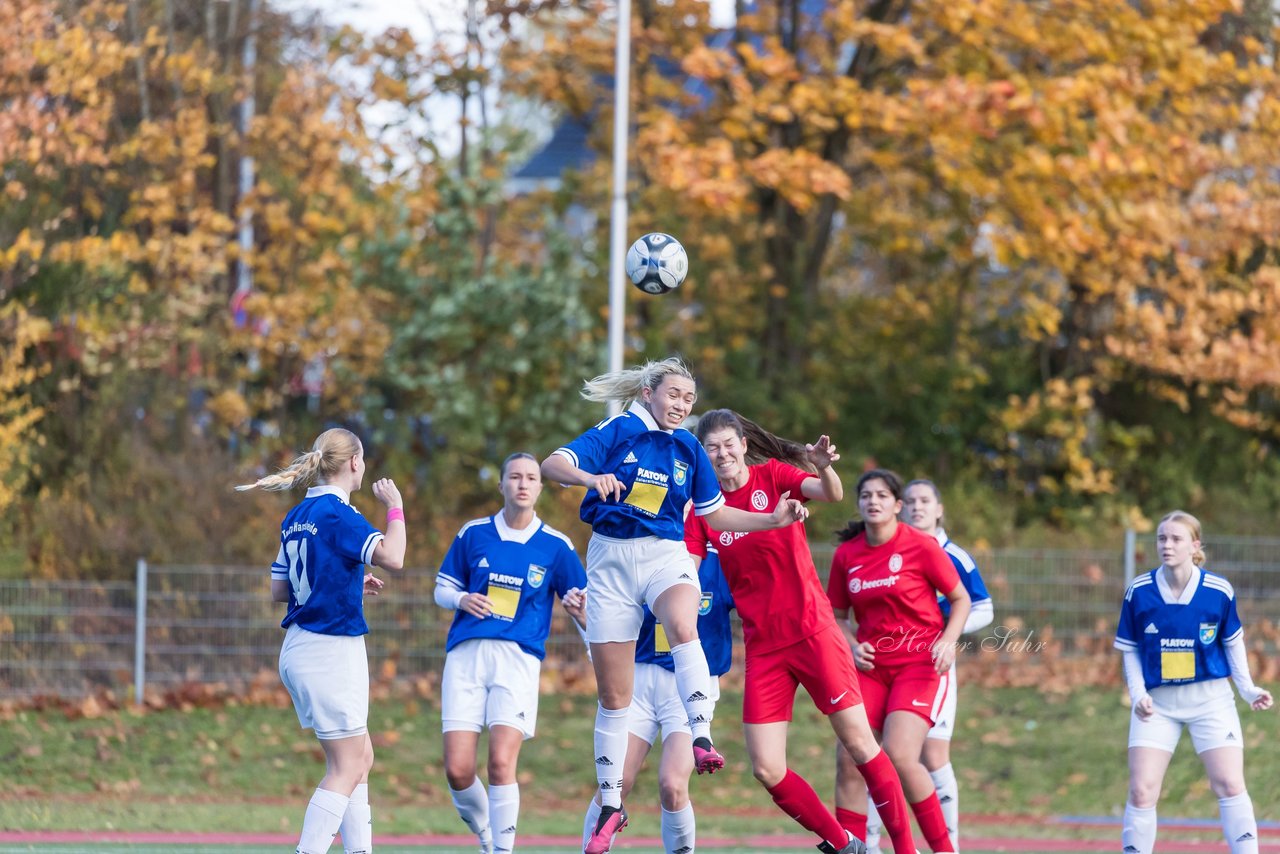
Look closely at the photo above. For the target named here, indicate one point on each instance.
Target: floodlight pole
(618, 214)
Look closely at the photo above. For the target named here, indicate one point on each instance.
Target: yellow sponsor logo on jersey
(660, 642)
(1177, 666)
(647, 497)
(505, 601)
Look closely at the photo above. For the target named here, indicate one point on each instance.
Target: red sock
(854, 822)
(795, 797)
(932, 824)
(886, 791)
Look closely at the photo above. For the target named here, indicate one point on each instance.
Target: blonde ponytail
(626, 385)
(332, 450)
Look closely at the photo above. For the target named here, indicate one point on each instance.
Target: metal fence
(215, 624)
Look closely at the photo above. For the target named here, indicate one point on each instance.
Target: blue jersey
(1179, 640)
(968, 570)
(714, 629)
(324, 545)
(660, 470)
(521, 572)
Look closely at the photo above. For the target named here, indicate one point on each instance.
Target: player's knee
(460, 771)
(1143, 794)
(1227, 787)
(502, 770)
(859, 749)
(768, 773)
(903, 756)
(673, 792)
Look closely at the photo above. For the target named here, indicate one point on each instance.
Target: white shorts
(625, 575)
(655, 704)
(489, 682)
(946, 720)
(328, 678)
(1207, 711)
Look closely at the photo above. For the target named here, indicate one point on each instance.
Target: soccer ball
(657, 263)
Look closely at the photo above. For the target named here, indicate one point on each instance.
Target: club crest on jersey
(1208, 631)
(759, 500)
(704, 604)
(681, 472)
(895, 563)
(536, 575)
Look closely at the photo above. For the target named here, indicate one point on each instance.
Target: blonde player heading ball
(639, 469)
(319, 572)
(501, 575)
(1181, 638)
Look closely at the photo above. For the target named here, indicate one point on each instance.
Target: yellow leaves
(25, 248)
(800, 176)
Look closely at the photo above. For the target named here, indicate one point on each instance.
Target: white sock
(589, 821)
(321, 822)
(611, 752)
(679, 830)
(693, 681)
(1238, 824)
(357, 823)
(472, 804)
(504, 810)
(873, 827)
(1139, 834)
(944, 781)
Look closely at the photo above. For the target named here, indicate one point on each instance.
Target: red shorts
(913, 687)
(822, 663)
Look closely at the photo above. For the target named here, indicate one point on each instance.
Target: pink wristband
(395, 513)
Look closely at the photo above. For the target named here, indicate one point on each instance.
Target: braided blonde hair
(332, 450)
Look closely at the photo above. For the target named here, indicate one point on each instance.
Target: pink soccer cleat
(705, 756)
(612, 820)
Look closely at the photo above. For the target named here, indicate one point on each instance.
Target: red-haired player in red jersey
(790, 631)
(890, 574)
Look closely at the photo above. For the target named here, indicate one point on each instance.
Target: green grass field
(250, 769)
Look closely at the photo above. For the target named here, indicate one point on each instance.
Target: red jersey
(771, 575)
(893, 589)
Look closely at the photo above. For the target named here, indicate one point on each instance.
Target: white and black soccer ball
(657, 263)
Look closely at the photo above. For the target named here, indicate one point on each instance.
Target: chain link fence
(216, 624)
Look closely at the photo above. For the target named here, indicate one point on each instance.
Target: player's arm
(826, 486)
(279, 590)
(389, 553)
(560, 469)
(944, 648)
(1258, 699)
(725, 518)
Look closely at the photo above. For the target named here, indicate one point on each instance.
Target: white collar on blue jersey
(510, 534)
(642, 412)
(336, 491)
(1193, 584)
(941, 536)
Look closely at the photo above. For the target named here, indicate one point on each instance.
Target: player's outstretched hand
(864, 656)
(372, 584)
(822, 453)
(789, 510)
(476, 604)
(606, 485)
(385, 491)
(1263, 701)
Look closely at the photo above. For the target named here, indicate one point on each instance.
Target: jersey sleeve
(455, 567)
(569, 572)
(695, 536)
(705, 491)
(280, 566)
(353, 537)
(590, 450)
(1126, 637)
(970, 577)
(788, 478)
(1231, 625)
(938, 567)
(837, 590)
